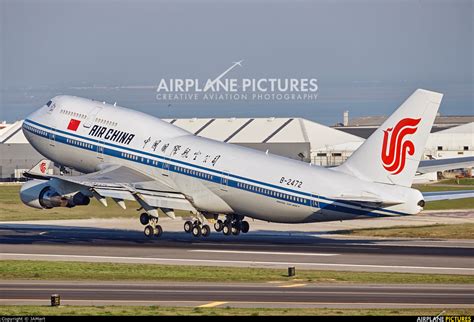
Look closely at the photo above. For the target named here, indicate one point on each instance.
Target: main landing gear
(197, 228)
(152, 229)
(232, 226)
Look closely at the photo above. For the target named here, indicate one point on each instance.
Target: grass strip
(449, 231)
(52, 270)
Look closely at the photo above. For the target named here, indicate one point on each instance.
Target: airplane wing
(427, 166)
(448, 195)
(123, 183)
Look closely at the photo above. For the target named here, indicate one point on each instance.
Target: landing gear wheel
(188, 226)
(206, 231)
(144, 219)
(237, 225)
(158, 231)
(235, 230)
(148, 231)
(245, 227)
(227, 230)
(218, 225)
(197, 231)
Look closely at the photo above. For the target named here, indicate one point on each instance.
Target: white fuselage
(215, 177)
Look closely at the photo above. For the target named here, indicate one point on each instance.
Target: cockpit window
(49, 103)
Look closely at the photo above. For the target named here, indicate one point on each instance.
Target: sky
(368, 56)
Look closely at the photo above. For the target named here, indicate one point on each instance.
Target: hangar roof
(12, 133)
(265, 130)
(441, 120)
(461, 129)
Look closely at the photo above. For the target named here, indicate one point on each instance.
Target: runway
(274, 249)
(238, 295)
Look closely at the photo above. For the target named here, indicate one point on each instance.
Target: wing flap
(110, 175)
(115, 193)
(176, 201)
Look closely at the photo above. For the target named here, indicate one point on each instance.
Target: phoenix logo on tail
(395, 146)
(43, 167)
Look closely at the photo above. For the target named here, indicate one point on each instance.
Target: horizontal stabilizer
(367, 199)
(427, 166)
(448, 195)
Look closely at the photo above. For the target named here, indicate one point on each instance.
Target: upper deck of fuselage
(60, 110)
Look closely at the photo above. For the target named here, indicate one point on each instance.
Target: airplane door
(165, 163)
(52, 137)
(225, 180)
(314, 203)
(100, 150)
(166, 167)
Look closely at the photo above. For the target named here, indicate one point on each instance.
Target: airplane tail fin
(392, 153)
(41, 167)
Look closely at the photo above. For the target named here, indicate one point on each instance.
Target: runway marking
(258, 252)
(325, 245)
(213, 304)
(292, 285)
(182, 260)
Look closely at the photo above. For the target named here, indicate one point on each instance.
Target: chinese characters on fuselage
(118, 136)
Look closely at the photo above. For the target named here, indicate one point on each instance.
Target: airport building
(366, 125)
(16, 154)
(295, 138)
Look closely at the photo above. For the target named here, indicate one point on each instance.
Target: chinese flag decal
(73, 125)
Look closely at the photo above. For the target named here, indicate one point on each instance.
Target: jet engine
(43, 195)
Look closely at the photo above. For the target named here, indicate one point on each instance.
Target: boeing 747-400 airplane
(129, 155)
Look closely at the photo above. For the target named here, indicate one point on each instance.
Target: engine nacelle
(42, 195)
